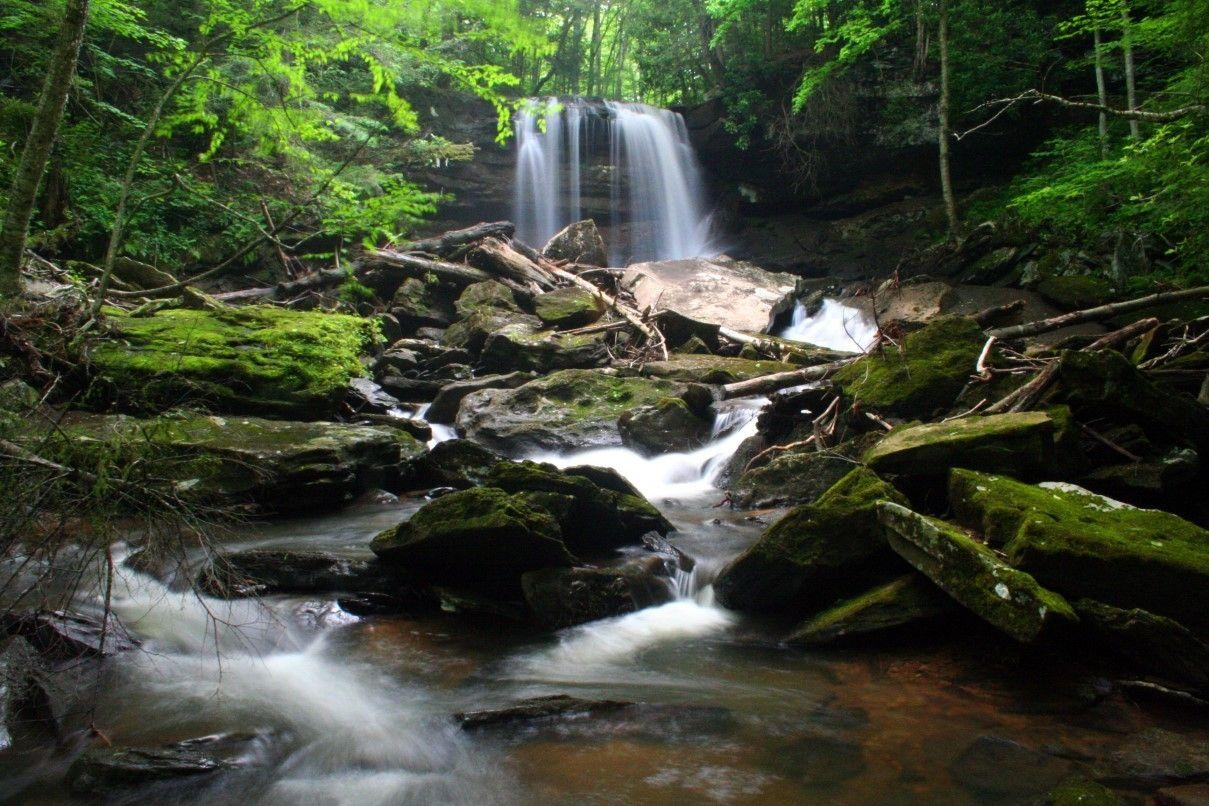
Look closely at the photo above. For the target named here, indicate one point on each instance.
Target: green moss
(255, 360)
(1081, 792)
(712, 369)
(922, 378)
(592, 395)
(568, 307)
(1076, 291)
(1090, 547)
(907, 600)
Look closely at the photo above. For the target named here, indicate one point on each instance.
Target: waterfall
(654, 181)
(834, 326)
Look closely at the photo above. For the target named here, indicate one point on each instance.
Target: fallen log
(1123, 335)
(447, 243)
(998, 315)
(499, 258)
(653, 336)
(1097, 313)
(782, 380)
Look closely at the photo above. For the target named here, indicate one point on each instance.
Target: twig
(1103, 440)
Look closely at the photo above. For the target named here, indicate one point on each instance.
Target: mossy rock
(252, 360)
(712, 368)
(482, 540)
(1030, 444)
(579, 242)
(454, 463)
(1154, 644)
(886, 609)
(519, 346)
(594, 520)
(797, 477)
(816, 553)
(569, 307)
(1081, 792)
(471, 332)
(921, 379)
(666, 427)
(418, 304)
(1088, 546)
(1076, 292)
(1005, 597)
(564, 597)
(487, 294)
(565, 410)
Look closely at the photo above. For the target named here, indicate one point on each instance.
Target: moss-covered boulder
(1029, 444)
(252, 360)
(799, 476)
(275, 466)
(712, 368)
(1077, 291)
(487, 294)
(521, 346)
(922, 378)
(816, 554)
(481, 539)
(666, 427)
(563, 411)
(594, 519)
(1088, 546)
(418, 304)
(579, 242)
(444, 408)
(564, 597)
(1153, 644)
(568, 307)
(456, 463)
(1005, 597)
(875, 614)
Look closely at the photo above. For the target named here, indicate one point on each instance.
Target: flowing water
(834, 325)
(656, 192)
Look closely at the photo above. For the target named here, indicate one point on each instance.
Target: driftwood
(447, 243)
(499, 258)
(998, 315)
(1123, 335)
(1024, 397)
(1095, 314)
(652, 335)
(782, 380)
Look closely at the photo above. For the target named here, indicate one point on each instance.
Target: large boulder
(665, 427)
(521, 346)
(886, 609)
(482, 539)
(816, 554)
(569, 307)
(563, 411)
(564, 597)
(483, 308)
(1087, 546)
(1006, 598)
(275, 466)
(251, 360)
(579, 242)
(1030, 444)
(1155, 644)
(920, 379)
(109, 772)
(796, 477)
(456, 463)
(418, 304)
(444, 407)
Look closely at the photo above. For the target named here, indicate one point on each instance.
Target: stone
(1029, 444)
(418, 304)
(570, 307)
(665, 427)
(366, 397)
(1001, 768)
(1187, 795)
(18, 396)
(920, 379)
(816, 553)
(535, 709)
(1168, 482)
(1087, 546)
(714, 369)
(102, 770)
(564, 597)
(266, 571)
(456, 463)
(579, 242)
(482, 539)
(1152, 643)
(423, 384)
(472, 331)
(914, 305)
(886, 609)
(815, 759)
(61, 635)
(247, 360)
(1079, 791)
(1075, 292)
(790, 478)
(444, 407)
(487, 294)
(718, 291)
(563, 411)
(25, 700)
(522, 346)
(1006, 598)
(1157, 758)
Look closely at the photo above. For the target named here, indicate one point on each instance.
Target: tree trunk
(24, 189)
(946, 177)
(1131, 92)
(1101, 91)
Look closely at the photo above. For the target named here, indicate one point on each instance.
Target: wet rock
(564, 597)
(366, 397)
(1005, 769)
(483, 308)
(523, 346)
(580, 242)
(712, 368)
(566, 410)
(105, 771)
(923, 377)
(594, 519)
(444, 408)
(1152, 643)
(488, 294)
(1087, 546)
(1168, 482)
(18, 396)
(1075, 292)
(61, 635)
(248, 360)
(1004, 597)
(665, 427)
(791, 478)
(404, 600)
(25, 700)
(423, 384)
(538, 709)
(908, 600)
(817, 553)
(457, 463)
(481, 539)
(567, 308)
(818, 760)
(1157, 758)
(263, 571)
(1028, 444)
(418, 304)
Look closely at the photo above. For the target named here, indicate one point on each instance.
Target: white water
(835, 326)
(650, 160)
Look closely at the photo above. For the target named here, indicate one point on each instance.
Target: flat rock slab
(731, 293)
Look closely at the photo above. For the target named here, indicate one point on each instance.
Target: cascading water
(653, 174)
(834, 326)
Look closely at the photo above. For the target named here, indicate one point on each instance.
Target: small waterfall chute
(834, 325)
